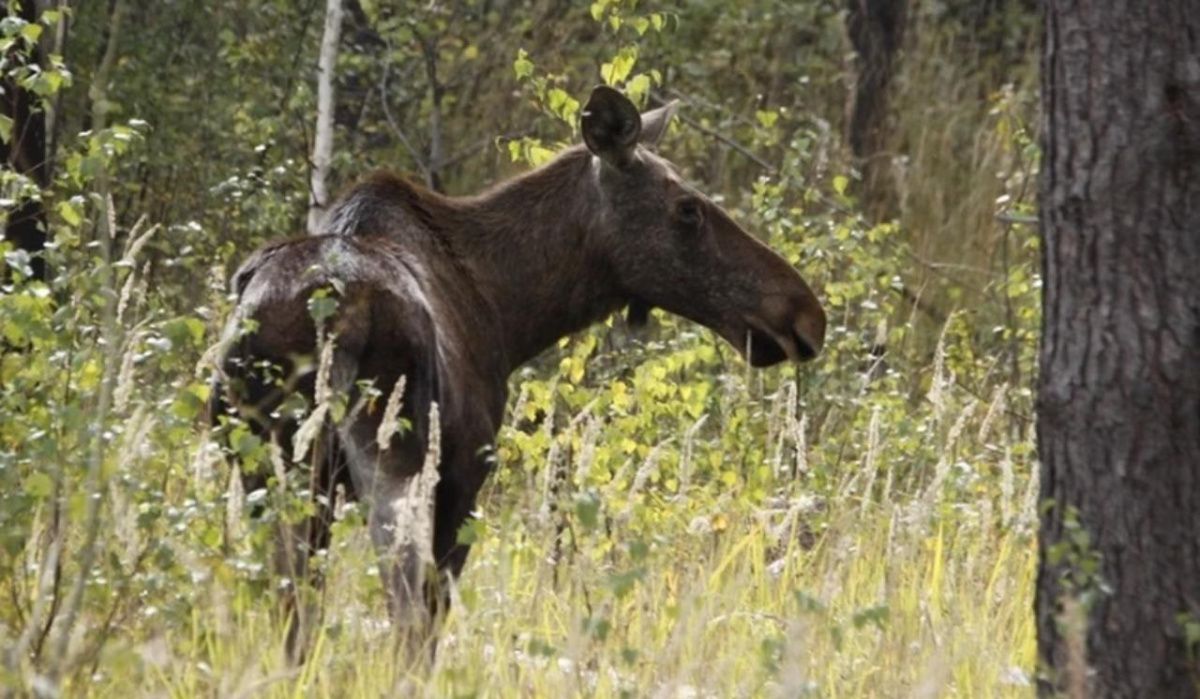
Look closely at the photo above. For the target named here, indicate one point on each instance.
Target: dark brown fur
(454, 294)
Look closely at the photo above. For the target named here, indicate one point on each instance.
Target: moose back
(449, 296)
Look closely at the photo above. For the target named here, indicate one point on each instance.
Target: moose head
(673, 248)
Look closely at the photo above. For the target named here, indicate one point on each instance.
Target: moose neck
(532, 257)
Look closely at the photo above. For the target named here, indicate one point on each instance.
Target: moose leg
(394, 460)
(301, 582)
(464, 474)
(400, 523)
(400, 531)
(452, 512)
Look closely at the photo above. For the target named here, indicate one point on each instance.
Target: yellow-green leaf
(622, 64)
(69, 213)
(39, 485)
(523, 67)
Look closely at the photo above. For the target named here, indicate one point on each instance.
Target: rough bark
(25, 153)
(323, 139)
(1119, 391)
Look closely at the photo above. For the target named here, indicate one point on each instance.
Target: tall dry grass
(663, 523)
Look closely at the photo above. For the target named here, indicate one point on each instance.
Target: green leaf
(523, 67)
(808, 603)
(245, 443)
(876, 616)
(587, 509)
(767, 118)
(322, 305)
(514, 151)
(840, 182)
(555, 99)
(622, 583)
(471, 531)
(539, 155)
(191, 401)
(638, 88)
(619, 68)
(32, 32)
(69, 213)
(39, 485)
(184, 331)
(562, 104)
(598, 627)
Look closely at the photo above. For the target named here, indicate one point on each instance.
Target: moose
(448, 296)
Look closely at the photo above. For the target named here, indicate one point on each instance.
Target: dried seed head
(389, 425)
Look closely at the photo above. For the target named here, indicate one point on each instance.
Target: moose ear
(656, 121)
(610, 125)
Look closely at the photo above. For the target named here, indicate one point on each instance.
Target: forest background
(664, 521)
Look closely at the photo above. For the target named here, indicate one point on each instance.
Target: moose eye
(689, 212)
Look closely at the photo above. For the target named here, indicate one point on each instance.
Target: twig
(429, 49)
(391, 122)
(720, 137)
(1006, 217)
(935, 314)
(95, 462)
(471, 150)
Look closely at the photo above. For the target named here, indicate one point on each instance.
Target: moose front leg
(463, 474)
(298, 541)
(300, 581)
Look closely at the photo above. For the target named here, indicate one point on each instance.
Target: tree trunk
(1119, 393)
(24, 152)
(323, 139)
(876, 30)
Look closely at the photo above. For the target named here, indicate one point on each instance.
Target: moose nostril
(803, 348)
(809, 327)
(798, 319)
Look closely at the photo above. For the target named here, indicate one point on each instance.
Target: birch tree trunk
(1118, 587)
(323, 139)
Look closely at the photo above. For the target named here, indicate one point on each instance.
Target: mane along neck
(534, 254)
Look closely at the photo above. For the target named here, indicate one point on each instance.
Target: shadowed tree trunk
(1119, 391)
(876, 30)
(24, 152)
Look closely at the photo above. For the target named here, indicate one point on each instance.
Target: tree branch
(395, 127)
(750, 155)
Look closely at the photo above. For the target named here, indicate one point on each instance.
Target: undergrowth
(663, 521)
